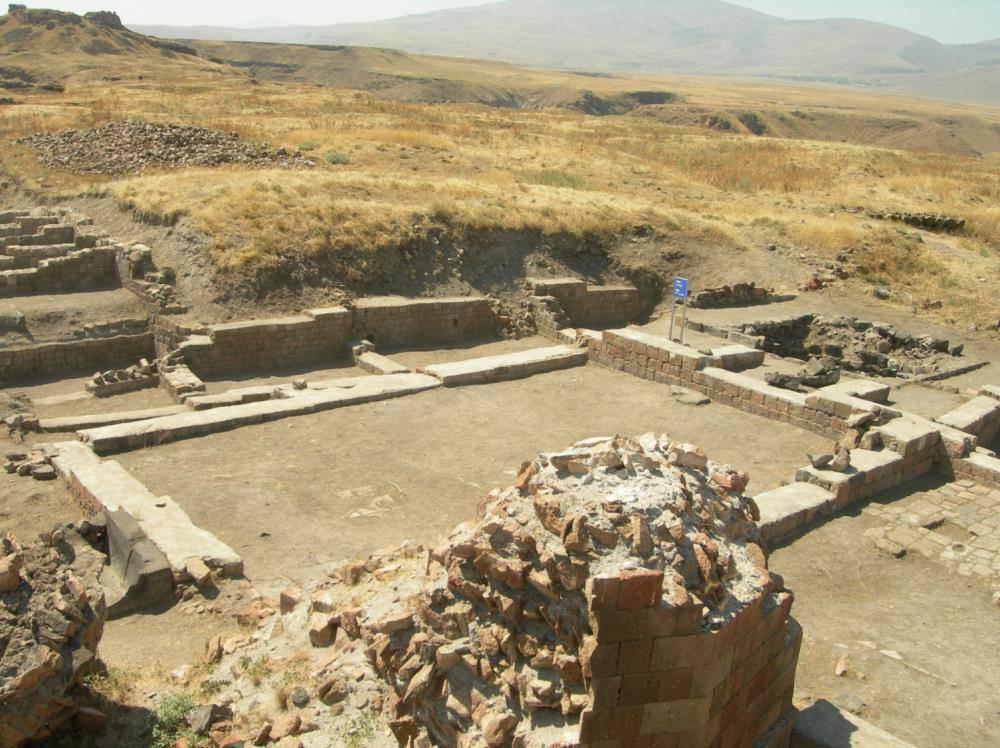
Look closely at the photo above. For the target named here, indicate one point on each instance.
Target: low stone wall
(73, 357)
(389, 321)
(980, 416)
(258, 345)
(591, 306)
(657, 678)
(740, 294)
(81, 270)
(321, 335)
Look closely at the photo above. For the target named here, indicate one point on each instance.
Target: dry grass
(414, 166)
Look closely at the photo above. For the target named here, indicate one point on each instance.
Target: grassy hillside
(398, 179)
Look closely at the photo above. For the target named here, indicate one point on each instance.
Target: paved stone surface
(956, 523)
(73, 423)
(788, 508)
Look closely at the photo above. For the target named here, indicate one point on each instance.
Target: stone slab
(509, 366)
(785, 509)
(974, 417)
(342, 393)
(907, 436)
(863, 389)
(376, 363)
(75, 423)
(107, 486)
(737, 357)
(991, 390)
(823, 725)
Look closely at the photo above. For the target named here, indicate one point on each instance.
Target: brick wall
(591, 306)
(260, 345)
(74, 357)
(388, 321)
(656, 677)
(78, 271)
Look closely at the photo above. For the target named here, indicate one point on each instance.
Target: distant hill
(654, 36)
(45, 48)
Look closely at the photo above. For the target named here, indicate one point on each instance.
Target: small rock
(820, 461)
(882, 293)
(841, 460)
(285, 726)
(300, 697)
(10, 573)
(289, 599)
(198, 571)
(200, 719)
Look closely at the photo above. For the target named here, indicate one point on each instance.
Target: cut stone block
(823, 725)
(836, 403)
(863, 389)
(376, 363)
(979, 416)
(319, 397)
(785, 509)
(108, 487)
(907, 436)
(870, 473)
(717, 376)
(509, 366)
(991, 390)
(737, 357)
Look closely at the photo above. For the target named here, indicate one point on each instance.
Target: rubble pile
(115, 381)
(486, 644)
(818, 372)
(35, 463)
(123, 148)
(856, 345)
(734, 295)
(51, 621)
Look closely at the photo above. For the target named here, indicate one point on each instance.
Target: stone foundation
(590, 306)
(82, 270)
(73, 357)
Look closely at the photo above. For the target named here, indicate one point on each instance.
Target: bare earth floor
(340, 484)
(913, 631)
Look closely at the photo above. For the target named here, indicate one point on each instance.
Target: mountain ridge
(641, 36)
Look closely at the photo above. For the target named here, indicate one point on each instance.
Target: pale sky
(950, 21)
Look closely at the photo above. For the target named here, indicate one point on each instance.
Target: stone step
(870, 473)
(509, 366)
(141, 434)
(737, 357)
(376, 363)
(863, 389)
(907, 436)
(75, 423)
(980, 416)
(786, 509)
(107, 486)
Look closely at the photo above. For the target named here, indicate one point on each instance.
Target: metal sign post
(680, 294)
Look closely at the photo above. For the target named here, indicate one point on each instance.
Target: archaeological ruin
(618, 592)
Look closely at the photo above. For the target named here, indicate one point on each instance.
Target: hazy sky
(952, 21)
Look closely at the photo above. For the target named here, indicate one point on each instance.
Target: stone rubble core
(51, 620)
(616, 591)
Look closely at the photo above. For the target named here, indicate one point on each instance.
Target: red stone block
(602, 593)
(641, 588)
(595, 725)
(661, 621)
(598, 660)
(675, 685)
(626, 722)
(634, 656)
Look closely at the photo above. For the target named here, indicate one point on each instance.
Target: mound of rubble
(855, 345)
(51, 621)
(123, 148)
(621, 576)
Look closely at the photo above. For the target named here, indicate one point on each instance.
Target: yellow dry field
(386, 172)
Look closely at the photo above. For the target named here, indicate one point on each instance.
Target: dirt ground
(938, 686)
(294, 496)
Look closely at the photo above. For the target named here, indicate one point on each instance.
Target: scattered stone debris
(132, 147)
(928, 221)
(818, 372)
(35, 463)
(854, 344)
(118, 381)
(51, 620)
(486, 641)
(738, 294)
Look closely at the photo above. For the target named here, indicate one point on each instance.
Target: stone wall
(82, 270)
(657, 677)
(737, 295)
(591, 306)
(73, 357)
(321, 335)
(258, 345)
(389, 321)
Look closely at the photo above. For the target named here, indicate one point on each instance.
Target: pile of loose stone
(140, 371)
(857, 345)
(480, 642)
(132, 147)
(51, 621)
(35, 463)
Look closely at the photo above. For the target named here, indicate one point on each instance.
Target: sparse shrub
(553, 178)
(170, 715)
(308, 146)
(337, 158)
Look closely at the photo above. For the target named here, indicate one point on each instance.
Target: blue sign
(680, 288)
